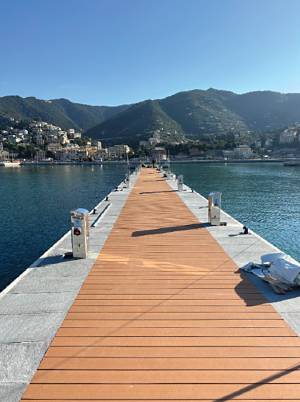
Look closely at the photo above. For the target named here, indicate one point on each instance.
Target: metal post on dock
(180, 182)
(80, 232)
(214, 208)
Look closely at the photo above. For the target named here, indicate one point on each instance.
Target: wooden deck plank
(203, 303)
(159, 391)
(94, 308)
(172, 316)
(171, 332)
(165, 377)
(173, 323)
(178, 351)
(175, 341)
(160, 400)
(174, 363)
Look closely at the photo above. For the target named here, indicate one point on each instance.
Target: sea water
(35, 204)
(263, 196)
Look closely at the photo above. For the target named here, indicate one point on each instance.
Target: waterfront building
(40, 155)
(243, 152)
(228, 154)
(4, 155)
(159, 154)
(98, 145)
(118, 151)
(288, 136)
(39, 139)
(63, 138)
(54, 147)
(72, 134)
(101, 154)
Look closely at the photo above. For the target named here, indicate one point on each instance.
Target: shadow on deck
(264, 289)
(169, 229)
(157, 192)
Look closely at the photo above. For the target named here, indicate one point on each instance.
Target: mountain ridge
(194, 114)
(200, 114)
(61, 112)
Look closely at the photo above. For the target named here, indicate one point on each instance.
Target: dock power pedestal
(80, 232)
(214, 208)
(180, 182)
(127, 180)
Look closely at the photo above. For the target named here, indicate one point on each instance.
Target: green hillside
(200, 114)
(137, 123)
(264, 110)
(61, 112)
(191, 114)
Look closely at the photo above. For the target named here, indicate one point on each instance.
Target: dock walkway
(164, 315)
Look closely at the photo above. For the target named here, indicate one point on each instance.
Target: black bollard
(245, 230)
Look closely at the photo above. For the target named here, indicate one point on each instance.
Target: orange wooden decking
(159, 319)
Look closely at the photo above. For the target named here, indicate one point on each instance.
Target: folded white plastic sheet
(282, 267)
(255, 269)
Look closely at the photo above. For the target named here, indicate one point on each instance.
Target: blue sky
(109, 52)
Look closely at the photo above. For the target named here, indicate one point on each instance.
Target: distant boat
(11, 163)
(292, 163)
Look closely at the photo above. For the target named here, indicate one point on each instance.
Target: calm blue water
(263, 196)
(35, 204)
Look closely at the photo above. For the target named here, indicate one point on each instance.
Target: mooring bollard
(80, 232)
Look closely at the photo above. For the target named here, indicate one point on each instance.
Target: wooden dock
(159, 318)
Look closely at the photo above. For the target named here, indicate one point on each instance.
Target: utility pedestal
(214, 208)
(80, 232)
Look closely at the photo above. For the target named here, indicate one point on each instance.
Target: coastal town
(43, 142)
